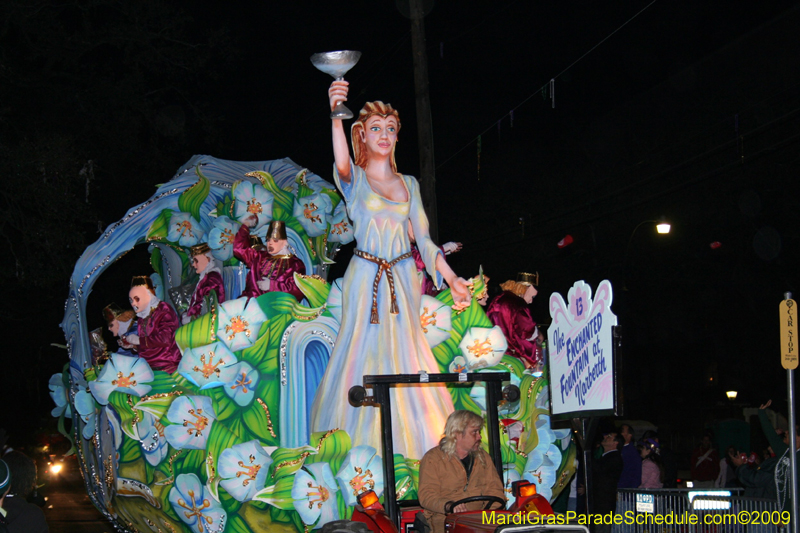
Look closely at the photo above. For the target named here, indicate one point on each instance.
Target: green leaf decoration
(303, 189)
(157, 405)
(413, 468)
(192, 198)
(283, 199)
(160, 228)
(229, 503)
(404, 481)
(155, 261)
(287, 461)
(163, 383)
(462, 399)
(221, 438)
(191, 462)
(509, 364)
(257, 418)
(236, 524)
(320, 246)
(278, 495)
(199, 332)
(315, 289)
(225, 206)
(126, 413)
(255, 354)
(130, 451)
(224, 406)
(332, 447)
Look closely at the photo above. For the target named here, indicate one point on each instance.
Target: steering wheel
(448, 508)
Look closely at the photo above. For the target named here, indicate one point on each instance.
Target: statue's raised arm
(338, 93)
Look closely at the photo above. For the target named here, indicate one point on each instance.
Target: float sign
(788, 313)
(581, 342)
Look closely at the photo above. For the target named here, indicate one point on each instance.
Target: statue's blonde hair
(359, 146)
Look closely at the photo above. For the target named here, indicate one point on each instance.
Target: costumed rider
(457, 468)
(210, 272)
(121, 324)
(271, 269)
(157, 325)
(509, 310)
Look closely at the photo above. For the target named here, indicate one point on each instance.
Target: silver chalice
(337, 64)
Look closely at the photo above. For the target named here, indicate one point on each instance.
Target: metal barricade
(695, 511)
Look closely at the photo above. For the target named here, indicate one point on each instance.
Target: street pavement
(68, 508)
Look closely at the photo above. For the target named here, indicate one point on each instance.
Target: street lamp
(662, 228)
(732, 394)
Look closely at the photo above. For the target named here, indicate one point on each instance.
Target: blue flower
(459, 366)
(483, 347)
(544, 434)
(361, 471)
(193, 417)
(124, 374)
(242, 386)
(314, 494)
(243, 469)
(252, 199)
(540, 471)
(150, 431)
(84, 405)
(312, 212)
(221, 236)
(239, 323)
(59, 395)
(184, 229)
(341, 228)
(436, 319)
(195, 506)
(208, 366)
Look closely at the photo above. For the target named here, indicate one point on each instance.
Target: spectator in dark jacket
(605, 476)
(22, 517)
(631, 476)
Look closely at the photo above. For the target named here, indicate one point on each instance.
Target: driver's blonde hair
(457, 424)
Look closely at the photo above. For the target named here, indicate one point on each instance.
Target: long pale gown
(397, 344)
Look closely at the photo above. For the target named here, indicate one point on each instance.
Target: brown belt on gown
(383, 265)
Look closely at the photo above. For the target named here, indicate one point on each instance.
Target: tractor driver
(456, 469)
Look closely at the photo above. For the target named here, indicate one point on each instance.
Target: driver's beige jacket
(442, 479)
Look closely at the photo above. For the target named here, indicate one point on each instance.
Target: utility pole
(424, 126)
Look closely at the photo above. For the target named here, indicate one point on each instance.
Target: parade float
(224, 442)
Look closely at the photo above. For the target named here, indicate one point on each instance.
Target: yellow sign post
(788, 314)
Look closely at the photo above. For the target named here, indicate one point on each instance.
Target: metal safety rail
(696, 511)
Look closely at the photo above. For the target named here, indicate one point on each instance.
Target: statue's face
(530, 294)
(276, 245)
(139, 297)
(380, 134)
(113, 327)
(200, 262)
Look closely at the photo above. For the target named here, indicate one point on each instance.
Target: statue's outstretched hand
(765, 405)
(461, 295)
(337, 92)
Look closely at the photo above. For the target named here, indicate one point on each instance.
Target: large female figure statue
(380, 332)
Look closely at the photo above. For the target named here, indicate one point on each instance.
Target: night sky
(678, 109)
